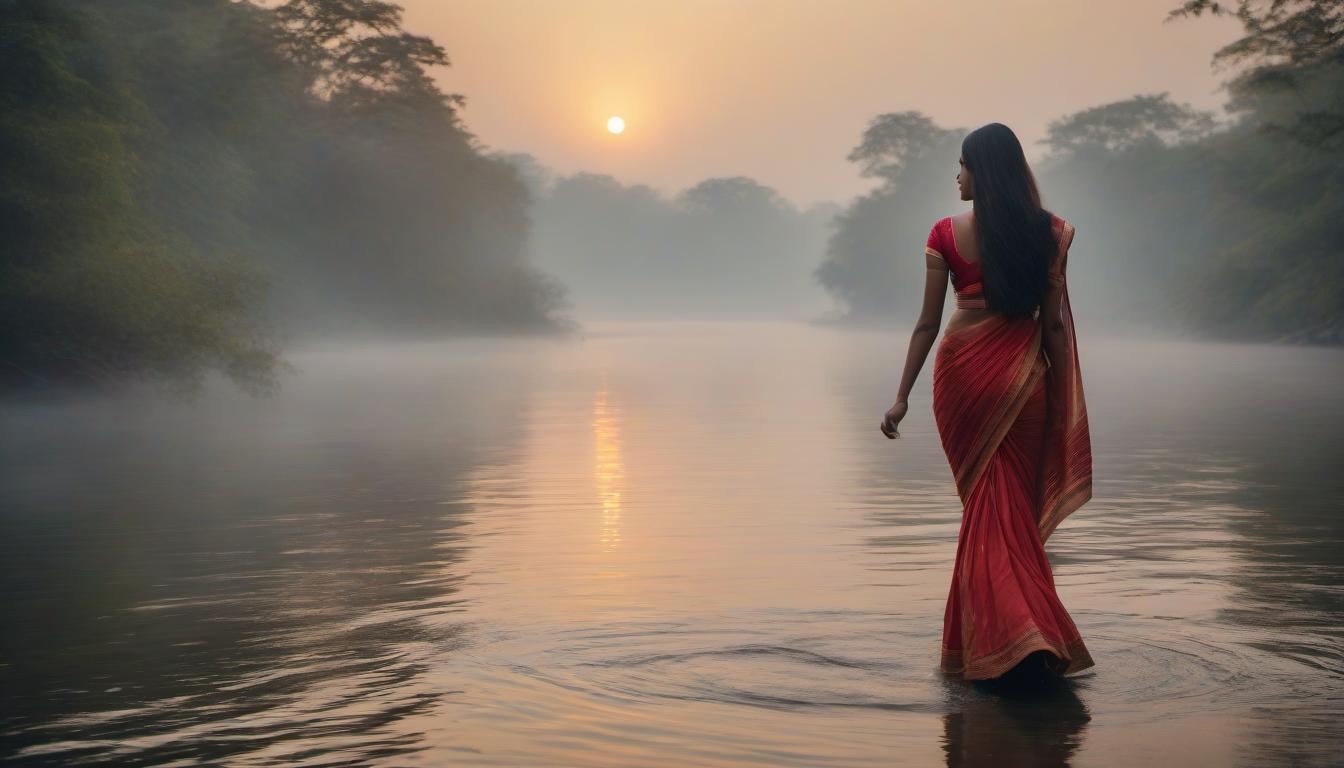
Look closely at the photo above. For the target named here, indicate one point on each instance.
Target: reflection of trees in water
(1239, 457)
(1037, 729)
(206, 587)
(1247, 495)
(1287, 600)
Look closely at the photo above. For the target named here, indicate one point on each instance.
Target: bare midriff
(963, 316)
(966, 316)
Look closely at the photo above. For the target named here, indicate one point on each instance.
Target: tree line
(187, 186)
(724, 248)
(1228, 230)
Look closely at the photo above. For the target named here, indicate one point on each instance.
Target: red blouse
(965, 274)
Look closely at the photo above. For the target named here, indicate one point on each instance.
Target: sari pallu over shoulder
(1065, 481)
(983, 375)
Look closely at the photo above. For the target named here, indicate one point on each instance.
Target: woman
(1008, 401)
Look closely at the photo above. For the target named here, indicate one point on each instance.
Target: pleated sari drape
(1013, 424)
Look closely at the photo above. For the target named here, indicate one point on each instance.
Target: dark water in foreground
(663, 545)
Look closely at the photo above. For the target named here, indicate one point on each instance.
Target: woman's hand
(892, 419)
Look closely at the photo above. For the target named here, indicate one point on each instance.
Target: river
(657, 544)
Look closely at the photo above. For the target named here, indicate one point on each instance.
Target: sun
(615, 125)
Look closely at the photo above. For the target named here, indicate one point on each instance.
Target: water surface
(660, 544)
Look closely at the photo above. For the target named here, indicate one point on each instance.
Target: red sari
(1014, 426)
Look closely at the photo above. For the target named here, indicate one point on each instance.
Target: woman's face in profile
(965, 183)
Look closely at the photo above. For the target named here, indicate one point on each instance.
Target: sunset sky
(781, 90)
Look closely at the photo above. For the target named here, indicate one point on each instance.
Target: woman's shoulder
(938, 233)
(943, 223)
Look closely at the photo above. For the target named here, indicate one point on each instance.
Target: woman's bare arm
(926, 328)
(921, 339)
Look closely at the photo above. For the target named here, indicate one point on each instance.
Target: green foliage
(1292, 81)
(182, 180)
(91, 289)
(383, 215)
(1229, 231)
(1273, 265)
(1284, 276)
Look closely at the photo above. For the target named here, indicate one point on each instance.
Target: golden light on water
(615, 125)
(608, 470)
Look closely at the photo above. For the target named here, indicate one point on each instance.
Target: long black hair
(1015, 234)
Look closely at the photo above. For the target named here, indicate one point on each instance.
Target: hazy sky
(781, 90)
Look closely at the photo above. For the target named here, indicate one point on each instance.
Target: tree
(876, 245)
(358, 56)
(1294, 54)
(93, 287)
(736, 196)
(1123, 125)
(895, 141)
(181, 180)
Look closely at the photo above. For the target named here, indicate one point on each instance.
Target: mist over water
(656, 543)
(566, 470)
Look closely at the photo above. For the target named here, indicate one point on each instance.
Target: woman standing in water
(1008, 401)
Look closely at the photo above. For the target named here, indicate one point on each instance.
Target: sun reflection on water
(608, 471)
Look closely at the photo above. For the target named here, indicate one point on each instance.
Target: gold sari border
(1073, 656)
(1071, 501)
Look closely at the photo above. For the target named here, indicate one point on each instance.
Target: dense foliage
(182, 183)
(1230, 230)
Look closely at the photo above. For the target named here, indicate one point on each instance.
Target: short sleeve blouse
(943, 245)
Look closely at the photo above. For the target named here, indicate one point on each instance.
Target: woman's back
(944, 239)
(952, 239)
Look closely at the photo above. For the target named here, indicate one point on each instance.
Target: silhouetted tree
(878, 241)
(1293, 54)
(1151, 119)
(357, 55)
(725, 248)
